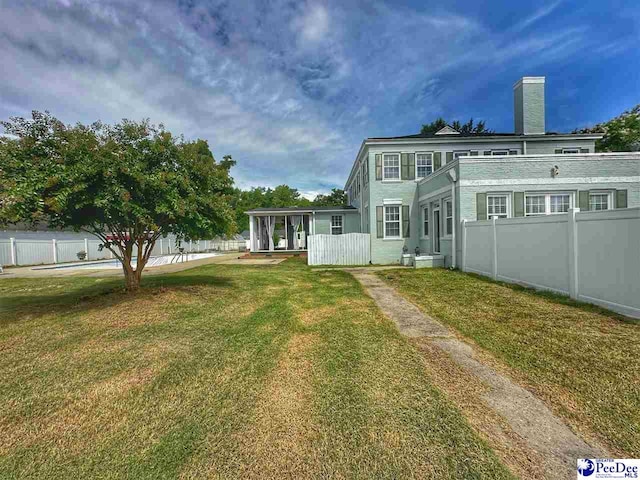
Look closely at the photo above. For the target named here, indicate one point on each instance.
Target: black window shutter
(518, 204)
(380, 222)
(583, 200)
(473, 153)
(621, 199)
(405, 221)
(378, 166)
(437, 160)
(411, 166)
(481, 206)
(558, 150)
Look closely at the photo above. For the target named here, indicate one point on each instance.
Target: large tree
(128, 184)
(621, 134)
(469, 127)
(337, 198)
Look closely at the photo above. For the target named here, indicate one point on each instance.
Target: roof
(302, 209)
(477, 135)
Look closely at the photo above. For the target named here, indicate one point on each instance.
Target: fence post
(14, 251)
(54, 244)
(572, 232)
(463, 232)
(161, 247)
(86, 247)
(190, 245)
(494, 255)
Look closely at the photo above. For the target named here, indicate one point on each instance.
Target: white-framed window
(497, 206)
(392, 221)
(600, 200)
(391, 166)
(424, 164)
(571, 150)
(547, 203)
(336, 224)
(425, 221)
(448, 216)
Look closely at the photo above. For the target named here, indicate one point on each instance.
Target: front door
(436, 229)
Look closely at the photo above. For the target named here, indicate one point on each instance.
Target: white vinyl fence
(591, 256)
(33, 249)
(346, 249)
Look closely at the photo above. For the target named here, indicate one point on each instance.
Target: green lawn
(583, 360)
(220, 372)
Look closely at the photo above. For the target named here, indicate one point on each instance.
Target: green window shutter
(487, 153)
(558, 150)
(584, 150)
(449, 157)
(513, 152)
(518, 204)
(481, 206)
(583, 201)
(473, 153)
(437, 160)
(621, 199)
(404, 166)
(378, 166)
(380, 222)
(411, 167)
(405, 221)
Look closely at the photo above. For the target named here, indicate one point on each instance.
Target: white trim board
(548, 181)
(440, 191)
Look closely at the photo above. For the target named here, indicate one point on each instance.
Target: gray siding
(323, 222)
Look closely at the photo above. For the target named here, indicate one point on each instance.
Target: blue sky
(290, 88)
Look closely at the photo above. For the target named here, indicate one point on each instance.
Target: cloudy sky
(290, 88)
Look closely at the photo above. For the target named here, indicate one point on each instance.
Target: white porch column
(286, 233)
(252, 240)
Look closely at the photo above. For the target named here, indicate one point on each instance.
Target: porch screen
(295, 221)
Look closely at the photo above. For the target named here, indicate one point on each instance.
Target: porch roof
(298, 210)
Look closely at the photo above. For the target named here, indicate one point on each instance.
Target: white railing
(347, 249)
(591, 256)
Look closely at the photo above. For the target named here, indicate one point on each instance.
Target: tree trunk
(131, 276)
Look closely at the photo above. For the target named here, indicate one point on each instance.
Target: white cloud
(313, 24)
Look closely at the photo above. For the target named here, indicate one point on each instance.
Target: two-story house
(414, 191)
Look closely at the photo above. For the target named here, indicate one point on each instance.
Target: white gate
(347, 249)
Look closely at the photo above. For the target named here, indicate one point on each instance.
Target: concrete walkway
(527, 415)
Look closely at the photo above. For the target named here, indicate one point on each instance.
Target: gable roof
(447, 130)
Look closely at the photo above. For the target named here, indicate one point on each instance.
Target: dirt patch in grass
(466, 392)
(280, 441)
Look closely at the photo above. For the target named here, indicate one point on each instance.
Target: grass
(583, 360)
(220, 372)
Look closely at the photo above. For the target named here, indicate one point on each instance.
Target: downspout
(454, 247)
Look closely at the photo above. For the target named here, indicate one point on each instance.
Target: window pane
(497, 206)
(598, 201)
(392, 166)
(424, 164)
(535, 205)
(425, 227)
(392, 221)
(560, 203)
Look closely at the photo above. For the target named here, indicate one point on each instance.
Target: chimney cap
(528, 80)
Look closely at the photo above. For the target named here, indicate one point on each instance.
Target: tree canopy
(128, 184)
(468, 127)
(337, 198)
(621, 134)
